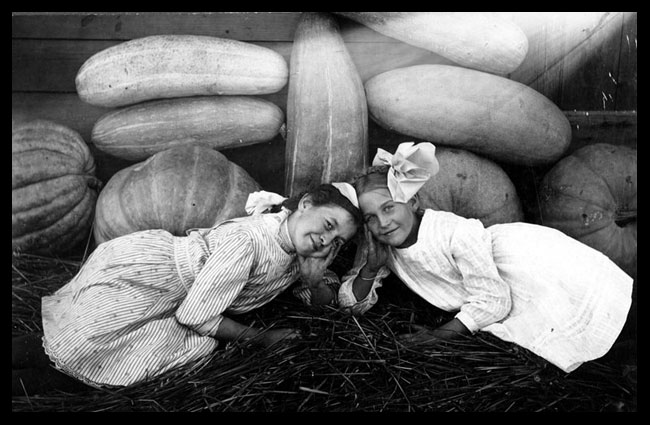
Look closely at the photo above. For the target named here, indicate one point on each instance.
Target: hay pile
(341, 364)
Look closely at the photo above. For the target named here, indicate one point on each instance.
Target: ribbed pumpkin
(139, 131)
(472, 187)
(175, 190)
(53, 188)
(463, 108)
(327, 114)
(591, 196)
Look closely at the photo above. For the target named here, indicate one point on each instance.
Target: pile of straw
(341, 364)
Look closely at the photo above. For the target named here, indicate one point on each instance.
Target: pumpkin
(479, 40)
(472, 187)
(327, 115)
(175, 190)
(164, 66)
(590, 195)
(136, 132)
(53, 187)
(463, 108)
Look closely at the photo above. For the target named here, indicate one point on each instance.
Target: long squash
(478, 40)
(164, 66)
(220, 122)
(468, 109)
(327, 115)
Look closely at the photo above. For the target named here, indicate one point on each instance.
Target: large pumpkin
(591, 196)
(53, 188)
(472, 187)
(175, 190)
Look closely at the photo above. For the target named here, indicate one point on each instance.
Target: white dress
(527, 284)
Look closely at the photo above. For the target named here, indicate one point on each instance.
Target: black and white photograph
(356, 212)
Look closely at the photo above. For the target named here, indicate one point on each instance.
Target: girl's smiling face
(316, 230)
(392, 223)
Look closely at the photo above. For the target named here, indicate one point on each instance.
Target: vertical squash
(327, 115)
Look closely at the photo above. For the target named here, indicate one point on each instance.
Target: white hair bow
(410, 167)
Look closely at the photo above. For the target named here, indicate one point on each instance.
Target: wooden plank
(571, 55)
(52, 65)
(626, 87)
(245, 26)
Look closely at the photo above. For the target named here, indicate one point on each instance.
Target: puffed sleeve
(221, 279)
(302, 292)
(347, 300)
(489, 300)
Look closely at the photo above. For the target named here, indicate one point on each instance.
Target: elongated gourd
(484, 113)
(164, 66)
(327, 115)
(175, 190)
(53, 187)
(478, 40)
(220, 122)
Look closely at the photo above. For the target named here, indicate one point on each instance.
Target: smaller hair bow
(260, 201)
(410, 167)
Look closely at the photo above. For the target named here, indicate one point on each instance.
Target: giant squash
(591, 196)
(472, 187)
(175, 190)
(53, 187)
(164, 66)
(484, 113)
(327, 115)
(478, 40)
(138, 131)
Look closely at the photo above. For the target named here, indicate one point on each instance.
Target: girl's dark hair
(324, 194)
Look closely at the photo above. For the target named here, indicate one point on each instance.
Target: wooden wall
(589, 71)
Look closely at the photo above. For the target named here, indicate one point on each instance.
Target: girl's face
(391, 223)
(316, 230)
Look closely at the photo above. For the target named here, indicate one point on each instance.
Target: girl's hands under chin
(377, 252)
(312, 269)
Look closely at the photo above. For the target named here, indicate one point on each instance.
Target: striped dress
(130, 312)
(525, 283)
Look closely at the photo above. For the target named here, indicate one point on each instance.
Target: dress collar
(283, 233)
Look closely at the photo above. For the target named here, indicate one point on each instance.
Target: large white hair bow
(260, 201)
(410, 167)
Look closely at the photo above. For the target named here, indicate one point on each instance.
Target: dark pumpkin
(591, 196)
(53, 187)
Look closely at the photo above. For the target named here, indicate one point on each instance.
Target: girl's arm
(230, 330)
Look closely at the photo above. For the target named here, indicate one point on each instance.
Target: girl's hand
(377, 252)
(273, 336)
(312, 269)
(422, 335)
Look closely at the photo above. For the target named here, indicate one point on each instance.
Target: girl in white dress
(527, 284)
(148, 302)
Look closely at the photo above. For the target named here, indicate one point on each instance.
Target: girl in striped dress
(524, 283)
(149, 302)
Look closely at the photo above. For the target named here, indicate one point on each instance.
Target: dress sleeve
(302, 292)
(347, 300)
(489, 300)
(219, 282)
